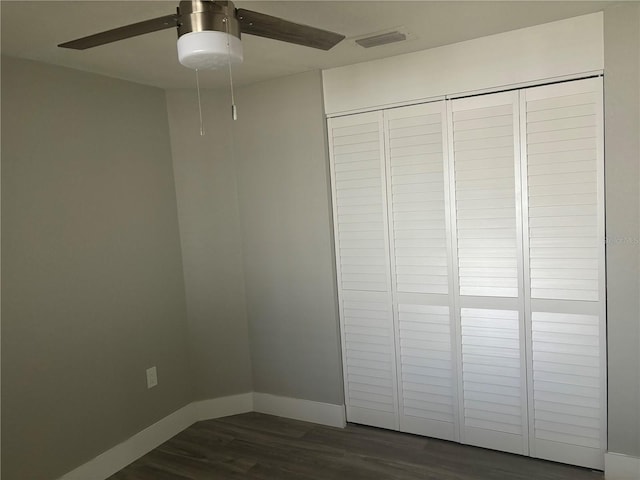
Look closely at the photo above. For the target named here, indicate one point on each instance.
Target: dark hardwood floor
(257, 446)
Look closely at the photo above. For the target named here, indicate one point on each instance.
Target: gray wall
(91, 267)
(622, 171)
(211, 244)
(287, 238)
(276, 238)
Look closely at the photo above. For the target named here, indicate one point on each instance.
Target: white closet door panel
(567, 387)
(564, 255)
(483, 144)
(415, 138)
(362, 264)
(359, 203)
(369, 358)
(488, 268)
(561, 149)
(418, 234)
(492, 379)
(426, 370)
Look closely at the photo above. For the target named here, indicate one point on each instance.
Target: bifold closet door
(417, 192)
(487, 231)
(364, 284)
(563, 176)
(470, 259)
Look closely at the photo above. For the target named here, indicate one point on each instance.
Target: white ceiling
(32, 29)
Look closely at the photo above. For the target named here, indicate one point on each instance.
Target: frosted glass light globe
(208, 50)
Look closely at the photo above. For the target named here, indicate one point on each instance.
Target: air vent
(382, 39)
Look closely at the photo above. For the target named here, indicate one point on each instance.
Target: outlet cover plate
(152, 377)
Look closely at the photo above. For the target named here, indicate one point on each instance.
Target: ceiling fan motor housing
(208, 34)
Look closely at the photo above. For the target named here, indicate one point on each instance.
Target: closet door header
(538, 53)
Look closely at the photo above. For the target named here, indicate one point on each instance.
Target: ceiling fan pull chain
(234, 110)
(199, 103)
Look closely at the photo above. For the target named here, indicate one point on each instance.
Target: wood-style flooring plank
(263, 447)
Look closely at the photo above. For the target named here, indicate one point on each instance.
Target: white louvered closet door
(470, 260)
(416, 143)
(364, 285)
(564, 253)
(484, 141)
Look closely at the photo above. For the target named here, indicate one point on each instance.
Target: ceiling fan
(209, 33)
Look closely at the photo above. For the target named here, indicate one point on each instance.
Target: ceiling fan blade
(262, 25)
(121, 33)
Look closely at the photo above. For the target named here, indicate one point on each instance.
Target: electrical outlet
(152, 377)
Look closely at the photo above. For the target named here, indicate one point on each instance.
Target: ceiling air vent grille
(381, 39)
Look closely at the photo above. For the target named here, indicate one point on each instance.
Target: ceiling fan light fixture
(209, 50)
(209, 32)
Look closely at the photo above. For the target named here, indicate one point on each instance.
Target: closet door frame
(602, 264)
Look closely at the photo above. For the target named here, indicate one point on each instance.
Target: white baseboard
(223, 406)
(298, 409)
(621, 467)
(118, 457)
